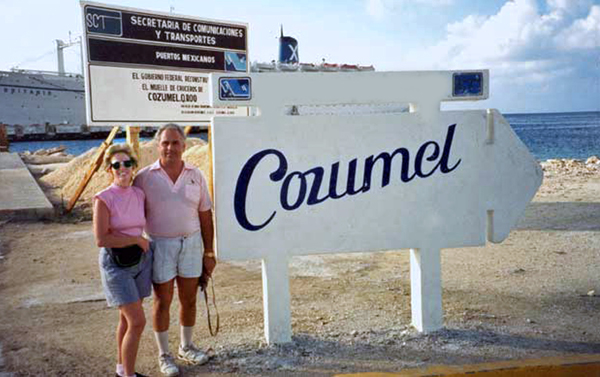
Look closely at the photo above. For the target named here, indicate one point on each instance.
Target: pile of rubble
(44, 161)
(66, 179)
(46, 156)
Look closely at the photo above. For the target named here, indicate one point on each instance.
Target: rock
(60, 150)
(42, 160)
(40, 152)
(50, 151)
(592, 160)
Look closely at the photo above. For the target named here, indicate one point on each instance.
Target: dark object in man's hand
(203, 280)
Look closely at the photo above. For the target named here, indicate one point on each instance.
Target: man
(179, 223)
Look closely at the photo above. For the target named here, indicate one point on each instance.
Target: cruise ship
(39, 102)
(43, 104)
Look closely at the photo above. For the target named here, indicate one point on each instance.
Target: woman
(125, 256)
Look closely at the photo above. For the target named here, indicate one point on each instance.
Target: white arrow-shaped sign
(423, 180)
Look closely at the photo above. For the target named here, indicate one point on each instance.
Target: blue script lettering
(291, 200)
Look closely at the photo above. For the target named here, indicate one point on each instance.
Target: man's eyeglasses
(117, 164)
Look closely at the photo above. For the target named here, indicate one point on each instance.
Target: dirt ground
(535, 295)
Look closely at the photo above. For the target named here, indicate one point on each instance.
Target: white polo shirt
(172, 208)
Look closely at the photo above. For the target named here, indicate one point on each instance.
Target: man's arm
(207, 230)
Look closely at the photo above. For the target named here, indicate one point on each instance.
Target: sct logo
(103, 21)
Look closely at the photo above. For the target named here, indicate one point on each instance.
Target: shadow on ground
(393, 351)
(572, 216)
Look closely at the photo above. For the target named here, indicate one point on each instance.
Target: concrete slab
(60, 292)
(20, 195)
(11, 161)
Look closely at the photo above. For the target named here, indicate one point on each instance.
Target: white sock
(120, 370)
(162, 341)
(186, 335)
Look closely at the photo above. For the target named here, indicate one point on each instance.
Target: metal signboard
(235, 88)
(423, 180)
(150, 67)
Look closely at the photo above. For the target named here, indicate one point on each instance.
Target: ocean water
(547, 135)
(559, 135)
(75, 147)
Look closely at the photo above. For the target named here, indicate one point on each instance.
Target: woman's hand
(143, 243)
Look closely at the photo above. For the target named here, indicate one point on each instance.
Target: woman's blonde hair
(118, 148)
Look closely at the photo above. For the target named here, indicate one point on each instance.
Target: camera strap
(214, 304)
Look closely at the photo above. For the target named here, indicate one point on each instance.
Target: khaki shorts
(177, 256)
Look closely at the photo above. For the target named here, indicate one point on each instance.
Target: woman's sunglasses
(117, 164)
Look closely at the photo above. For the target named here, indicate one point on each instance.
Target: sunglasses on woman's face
(117, 164)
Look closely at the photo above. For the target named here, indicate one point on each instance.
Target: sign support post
(276, 299)
(426, 289)
(211, 177)
(133, 139)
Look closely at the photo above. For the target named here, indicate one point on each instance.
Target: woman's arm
(102, 230)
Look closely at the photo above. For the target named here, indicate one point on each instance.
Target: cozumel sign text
(291, 200)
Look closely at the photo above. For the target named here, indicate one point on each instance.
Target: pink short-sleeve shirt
(172, 208)
(126, 208)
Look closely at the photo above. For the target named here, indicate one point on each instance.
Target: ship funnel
(60, 45)
(288, 49)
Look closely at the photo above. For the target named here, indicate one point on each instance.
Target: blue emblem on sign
(103, 21)
(234, 88)
(468, 84)
(235, 61)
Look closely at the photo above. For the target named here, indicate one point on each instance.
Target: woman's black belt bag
(127, 256)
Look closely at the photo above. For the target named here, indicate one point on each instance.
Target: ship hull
(40, 105)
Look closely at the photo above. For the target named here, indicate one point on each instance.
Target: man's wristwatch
(209, 255)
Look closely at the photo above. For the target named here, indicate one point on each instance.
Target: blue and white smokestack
(288, 49)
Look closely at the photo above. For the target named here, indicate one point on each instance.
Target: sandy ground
(537, 294)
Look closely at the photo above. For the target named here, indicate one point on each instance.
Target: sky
(543, 55)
